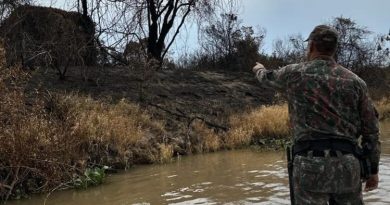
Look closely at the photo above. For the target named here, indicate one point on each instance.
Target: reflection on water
(234, 177)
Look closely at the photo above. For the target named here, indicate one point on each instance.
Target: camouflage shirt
(326, 99)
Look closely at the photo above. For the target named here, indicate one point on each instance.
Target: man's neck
(316, 56)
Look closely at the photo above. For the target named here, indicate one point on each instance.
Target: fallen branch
(12, 185)
(190, 119)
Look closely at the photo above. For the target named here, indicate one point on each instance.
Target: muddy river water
(231, 177)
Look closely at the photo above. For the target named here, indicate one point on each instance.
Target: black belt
(316, 153)
(319, 146)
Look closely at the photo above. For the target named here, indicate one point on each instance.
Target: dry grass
(207, 139)
(29, 141)
(166, 153)
(262, 123)
(383, 107)
(47, 141)
(119, 125)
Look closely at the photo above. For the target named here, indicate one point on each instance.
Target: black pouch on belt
(365, 166)
(365, 163)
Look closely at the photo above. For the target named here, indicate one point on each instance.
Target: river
(231, 177)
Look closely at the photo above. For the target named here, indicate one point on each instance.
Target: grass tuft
(209, 141)
(165, 153)
(259, 124)
(383, 107)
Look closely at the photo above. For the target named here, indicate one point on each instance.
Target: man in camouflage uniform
(329, 109)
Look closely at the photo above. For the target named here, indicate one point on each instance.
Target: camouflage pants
(323, 180)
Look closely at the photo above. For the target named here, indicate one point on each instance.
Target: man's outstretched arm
(274, 79)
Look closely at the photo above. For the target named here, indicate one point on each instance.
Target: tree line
(149, 28)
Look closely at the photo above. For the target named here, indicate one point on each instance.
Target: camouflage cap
(324, 33)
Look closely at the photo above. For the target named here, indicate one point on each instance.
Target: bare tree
(248, 46)
(218, 37)
(291, 49)
(229, 45)
(357, 47)
(84, 5)
(159, 21)
(351, 42)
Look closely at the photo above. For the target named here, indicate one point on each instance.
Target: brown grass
(29, 140)
(166, 153)
(47, 141)
(207, 139)
(119, 125)
(383, 107)
(262, 123)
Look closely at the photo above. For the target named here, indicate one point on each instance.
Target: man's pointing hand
(258, 67)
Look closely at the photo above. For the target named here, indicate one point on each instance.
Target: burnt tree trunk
(85, 7)
(154, 51)
(161, 19)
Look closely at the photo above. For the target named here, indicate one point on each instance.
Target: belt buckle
(327, 153)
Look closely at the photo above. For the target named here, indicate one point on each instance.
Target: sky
(281, 18)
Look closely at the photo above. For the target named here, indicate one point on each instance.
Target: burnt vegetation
(47, 37)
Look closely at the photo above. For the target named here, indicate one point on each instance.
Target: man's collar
(324, 57)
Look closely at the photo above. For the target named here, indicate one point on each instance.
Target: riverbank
(65, 134)
(53, 141)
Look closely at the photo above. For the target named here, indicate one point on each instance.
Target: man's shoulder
(308, 65)
(292, 67)
(348, 74)
(296, 68)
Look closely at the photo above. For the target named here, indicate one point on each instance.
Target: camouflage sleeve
(370, 129)
(274, 79)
